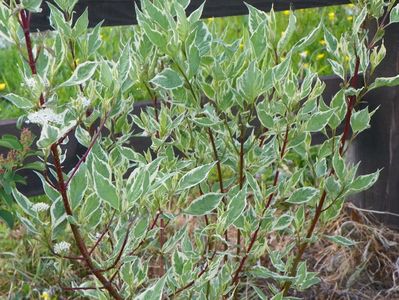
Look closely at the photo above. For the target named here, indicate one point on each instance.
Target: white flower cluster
(61, 247)
(85, 102)
(30, 82)
(45, 116)
(39, 207)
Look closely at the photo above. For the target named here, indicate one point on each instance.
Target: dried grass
(367, 270)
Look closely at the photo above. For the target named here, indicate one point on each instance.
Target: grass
(338, 19)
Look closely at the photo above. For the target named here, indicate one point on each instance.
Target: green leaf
(318, 121)
(195, 176)
(11, 142)
(281, 70)
(7, 218)
(82, 73)
(279, 296)
(394, 15)
(156, 37)
(340, 240)
(78, 186)
(58, 22)
(168, 79)
(48, 136)
(236, 207)
(332, 186)
(265, 118)
(23, 202)
(154, 292)
(81, 23)
(19, 101)
(258, 40)
(137, 184)
(36, 165)
(359, 20)
(262, 272)
(106, 190)
(32, 5)
(204, 204)
(360, 120)
(364, 182)
(303, 195)
(309, 39)
(58, 217)
(287, 35)
(384, 81)
(282, 222)
(250, 83)
(339, 166)
(194, 60)
(331, 41)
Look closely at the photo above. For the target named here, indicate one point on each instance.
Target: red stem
(75, 230)
(62, 187)
(254, 237)
(161, 243)
(202, 272)
(241, 180)
(25, 24)
(103, 234)
(118, 258)
(351, 104)
(319, 209)
(86, 154)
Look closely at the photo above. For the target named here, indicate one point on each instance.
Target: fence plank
(121, 12)
(378, 147)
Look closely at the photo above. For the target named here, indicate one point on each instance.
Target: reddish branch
(319, 209)
(118, 258)
(241, 178)
(86, 154)
(24, 21)
(75, 230)
(102, 234)
(220, 176)
(191, 283)
(236, 276)
(62, 187)
(351, 105)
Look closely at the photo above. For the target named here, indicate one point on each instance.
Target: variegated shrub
(231, 161)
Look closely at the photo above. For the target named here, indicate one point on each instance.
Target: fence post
(378, 147)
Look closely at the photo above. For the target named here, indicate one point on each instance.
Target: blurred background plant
(11, 162)
(315, 56)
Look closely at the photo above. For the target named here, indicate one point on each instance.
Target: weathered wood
(378, 147)
(121, 12)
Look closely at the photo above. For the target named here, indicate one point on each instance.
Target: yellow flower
(45, 296)
(2, 86)
(241, 46)
(286, 13)
(320, 56)
(306, 65)
(349, 18)
(331, 16)
(347, 58)
(210, 20)
(322, 42)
